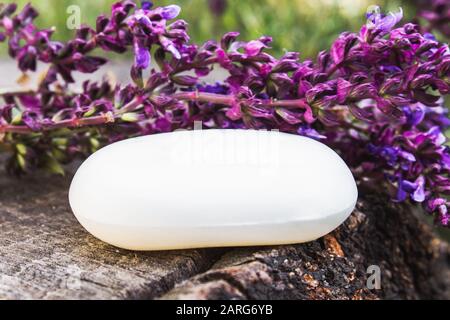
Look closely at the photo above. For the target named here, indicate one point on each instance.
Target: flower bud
(130, 117)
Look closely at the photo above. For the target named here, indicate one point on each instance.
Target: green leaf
(54, 166)
(21, 161)
(21, 149)
(95, 144)
(16, 116)
(58, 154)
(60, 142)
(89, 113)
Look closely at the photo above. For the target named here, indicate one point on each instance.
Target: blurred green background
(307, 26)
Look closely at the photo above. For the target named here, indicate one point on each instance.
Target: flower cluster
(376, 96)
(437, 15)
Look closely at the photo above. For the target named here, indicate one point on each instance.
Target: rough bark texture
(45, 253)
(414, 263)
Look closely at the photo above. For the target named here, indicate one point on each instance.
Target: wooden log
(46, 254)
(413, 263)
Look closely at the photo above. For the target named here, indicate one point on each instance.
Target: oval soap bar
(212, 188)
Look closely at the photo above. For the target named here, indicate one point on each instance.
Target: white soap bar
(212, 188)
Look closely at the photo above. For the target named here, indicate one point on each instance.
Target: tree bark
(414, 263)
(46, 254)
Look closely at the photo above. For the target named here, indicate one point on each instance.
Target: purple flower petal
(444, 217)
(146, 5)
(409, 186)
(169, 46)
(30, 118)
(170, 12)
(254, 47)
(401, 193)
(141, 56)
(310, 132)
(384, 23)
(235, 112)
(142, 19)
(407, 156)
(27, 58)
(419, 193)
